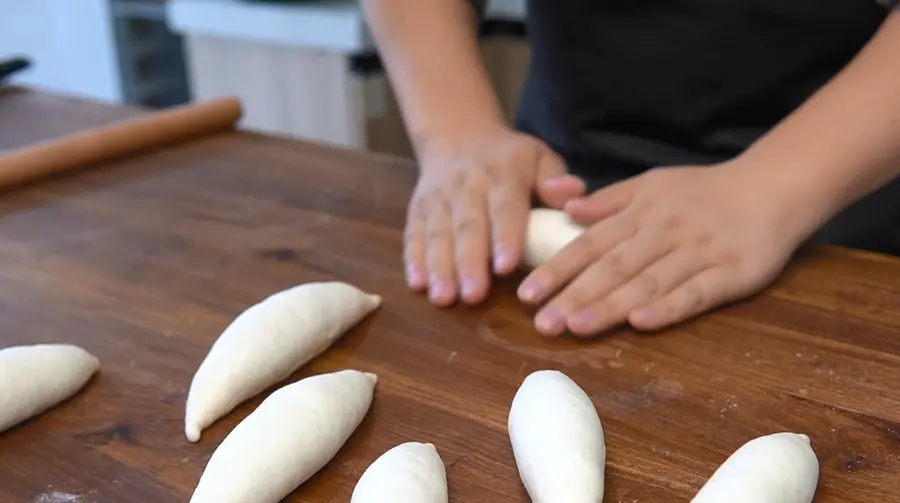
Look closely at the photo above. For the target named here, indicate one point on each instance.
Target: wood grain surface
(143, 262)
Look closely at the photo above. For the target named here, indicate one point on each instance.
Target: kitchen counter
(145, 260)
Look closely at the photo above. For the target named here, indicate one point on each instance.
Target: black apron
(621, 86)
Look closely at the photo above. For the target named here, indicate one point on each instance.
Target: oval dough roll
(35, 378)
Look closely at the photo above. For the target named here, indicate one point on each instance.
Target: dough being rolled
(35, 378)
(778, 468)
(549, 231)
(268, 342)
(557, 440)
(408, 473)
(293, 433)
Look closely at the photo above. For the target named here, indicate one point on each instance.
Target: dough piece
(267, 343)
(557, 440)
(779, 468)
(408, 473)
(293, 433)
(35, 378)
(549, 231)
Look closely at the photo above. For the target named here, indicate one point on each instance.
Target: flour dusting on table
(58, 497)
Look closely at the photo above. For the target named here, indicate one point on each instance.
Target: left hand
(664, 246)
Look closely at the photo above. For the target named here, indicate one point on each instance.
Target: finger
(442, 287)
(653, 283)
(602, 203)
(550, 165)
(707, 290)
(556, 192)
(613, 269)
(508, 206)
(471, 235)
(414, 246)
(555, 187)
(576, 256)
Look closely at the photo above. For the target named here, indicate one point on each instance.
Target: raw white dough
(549, 231)
(778, 468)
(35, 378)
(557, 440)
(268, 342)
(408, 473)
(293, 433)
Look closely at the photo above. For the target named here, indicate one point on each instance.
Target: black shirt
(621, 86)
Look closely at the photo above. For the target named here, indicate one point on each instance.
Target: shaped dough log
(268, 342)
(557, 440)
(549, 231)
(35, 378)
(409, 473)
(287, 439)
(779, 468)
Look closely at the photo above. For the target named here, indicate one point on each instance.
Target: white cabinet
(295, 66)
(70, 43)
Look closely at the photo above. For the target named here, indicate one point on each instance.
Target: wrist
(796, 201)
(455, 139)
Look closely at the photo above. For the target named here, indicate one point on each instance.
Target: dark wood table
(144, 261)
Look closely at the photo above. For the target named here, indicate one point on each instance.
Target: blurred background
(305, 69)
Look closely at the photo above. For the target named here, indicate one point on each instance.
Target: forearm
(431, 53)
(843, 143)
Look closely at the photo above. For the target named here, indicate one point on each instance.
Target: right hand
(469, 211)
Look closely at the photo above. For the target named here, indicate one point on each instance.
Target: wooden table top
(144, 261)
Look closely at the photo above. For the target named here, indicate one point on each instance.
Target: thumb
(603, 203)
(554, 186)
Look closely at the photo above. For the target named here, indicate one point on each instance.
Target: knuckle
(693, 301)
(589, 240)
(703, 240)
(728, 258)
(614, 305)
(437, 234)
(501, 200)
(674, 222)
(617, 264)
(649, 285)
(494, 170)
(418, 208)
(468, 225)
(458, 180)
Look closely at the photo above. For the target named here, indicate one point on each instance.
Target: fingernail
(584, 320)
(469, 287)
(531, 290)
(501, 258)
(415, 276)
(551, 320)
(438, 288)
(554, 182)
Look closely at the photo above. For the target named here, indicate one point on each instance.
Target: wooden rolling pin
(153, 130)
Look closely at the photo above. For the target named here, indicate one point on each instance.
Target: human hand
(664, 246)
(470, 209)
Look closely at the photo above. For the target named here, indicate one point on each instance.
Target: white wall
(70, 43)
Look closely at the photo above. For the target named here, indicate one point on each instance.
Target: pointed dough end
(95, 364)
(192, 432)
(375, 298)
(372, 377)
(804, 437)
